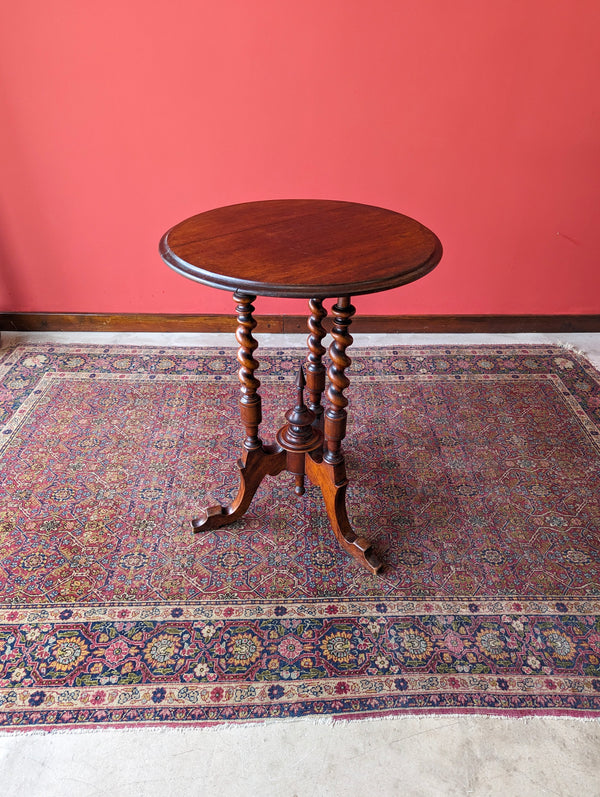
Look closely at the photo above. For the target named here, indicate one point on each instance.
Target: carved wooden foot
(333, 482)
(255, 464)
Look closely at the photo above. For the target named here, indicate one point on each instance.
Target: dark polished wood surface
(301, 248)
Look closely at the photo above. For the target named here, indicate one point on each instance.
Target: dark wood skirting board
(153, 322)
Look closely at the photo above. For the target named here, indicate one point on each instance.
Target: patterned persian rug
(476, 472)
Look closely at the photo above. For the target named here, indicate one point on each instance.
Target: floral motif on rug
(474, 471)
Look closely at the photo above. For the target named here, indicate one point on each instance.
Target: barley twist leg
(315, 370)
(250, 402)
(335, 416)
(330, 473)
(257, 460)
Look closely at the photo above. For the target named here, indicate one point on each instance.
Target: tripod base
(257, 463)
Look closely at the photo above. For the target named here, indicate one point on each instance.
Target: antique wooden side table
(305, 249)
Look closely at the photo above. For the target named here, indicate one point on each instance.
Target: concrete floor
(409, 756)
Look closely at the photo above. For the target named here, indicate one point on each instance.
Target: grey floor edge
(587, 343)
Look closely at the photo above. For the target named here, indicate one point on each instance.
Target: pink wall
(122, 117)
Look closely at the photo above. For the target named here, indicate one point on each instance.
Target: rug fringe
(331, 722)
(570, 347)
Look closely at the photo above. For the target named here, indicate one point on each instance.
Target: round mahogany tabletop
(301, 248)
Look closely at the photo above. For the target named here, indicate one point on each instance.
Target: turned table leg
(335, 416)
(315, 370)
(330, 473)
(250, 401)
(257, 460)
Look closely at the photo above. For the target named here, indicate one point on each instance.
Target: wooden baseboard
(154, 322)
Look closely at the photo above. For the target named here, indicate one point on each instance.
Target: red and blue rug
(476, 471)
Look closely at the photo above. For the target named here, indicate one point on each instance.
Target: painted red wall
(120, 118)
